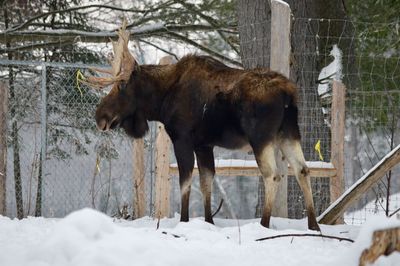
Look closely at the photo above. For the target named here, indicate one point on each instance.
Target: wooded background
(86, 168)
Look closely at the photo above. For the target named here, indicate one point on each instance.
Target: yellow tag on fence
(79, 77)
(97, 164)
(318, 149)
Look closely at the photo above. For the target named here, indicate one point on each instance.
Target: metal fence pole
(43, 128)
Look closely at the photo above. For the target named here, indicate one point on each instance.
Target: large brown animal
(204, 103)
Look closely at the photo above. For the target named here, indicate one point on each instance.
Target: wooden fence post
(162, 155)
(337, 139)
(139, 184)
(163, 179)
(3, 145)
(280, 62)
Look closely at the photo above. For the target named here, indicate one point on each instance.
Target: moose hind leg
(205, 162)
(265, 158)
(294, 154)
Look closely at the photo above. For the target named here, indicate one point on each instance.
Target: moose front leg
(205, 163)
(185, 159)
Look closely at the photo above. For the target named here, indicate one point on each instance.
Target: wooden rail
(226, 168)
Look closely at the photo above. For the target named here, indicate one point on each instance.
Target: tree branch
(203, 48)
(393, 213)
(210, 20)
(159, 48)
(43, 15)
(97, 37)
(305, 235)
(36, 46)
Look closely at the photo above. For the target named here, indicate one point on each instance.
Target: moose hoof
(265, 222)
(211, 221)
(314, 226)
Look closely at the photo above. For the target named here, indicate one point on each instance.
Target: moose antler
(122, 63)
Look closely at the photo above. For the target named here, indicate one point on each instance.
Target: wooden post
(280, 62)
(334, 211)
(163, 179)
(139, 184)
(162, 155)
(3, 145)
(384, 243)
(337, 140)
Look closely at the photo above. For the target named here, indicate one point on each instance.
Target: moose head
(117, 108)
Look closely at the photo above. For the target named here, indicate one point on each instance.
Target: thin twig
(158, 222)
(176, 236)
(305, 235)
(159, 48)
(393, 213)
(218, 209)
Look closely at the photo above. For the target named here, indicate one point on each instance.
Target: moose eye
(122, 86)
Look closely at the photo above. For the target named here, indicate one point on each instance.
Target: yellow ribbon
(79, 78)
(98, 164)
(318, 149)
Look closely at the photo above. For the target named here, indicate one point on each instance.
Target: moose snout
(101, 124)
(105, 123)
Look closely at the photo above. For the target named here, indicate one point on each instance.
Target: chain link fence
(57, 161)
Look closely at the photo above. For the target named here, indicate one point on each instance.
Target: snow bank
(364, 240)
(87, 237)
(90, 238)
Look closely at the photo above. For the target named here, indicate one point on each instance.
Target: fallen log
(384, 242)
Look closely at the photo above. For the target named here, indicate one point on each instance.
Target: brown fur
(203, 103)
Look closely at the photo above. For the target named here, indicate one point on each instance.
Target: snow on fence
(56, 161)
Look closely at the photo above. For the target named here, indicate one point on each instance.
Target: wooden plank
(163, 179)
(280, 61)
(228, 171)
(3, 145)
(337, 139)
(139, 184)
(384, 243)
(330, 215)
(280, 37)
(162, 156)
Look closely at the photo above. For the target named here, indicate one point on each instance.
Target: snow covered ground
(88, 237)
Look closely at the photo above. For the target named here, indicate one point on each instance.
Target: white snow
(253, 163)
(87, 237)
(364, 239)
(333, 71)
(281, 2)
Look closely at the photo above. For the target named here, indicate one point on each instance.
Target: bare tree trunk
(14, 135)
(38, 205)
(3, 146)
(254, 17)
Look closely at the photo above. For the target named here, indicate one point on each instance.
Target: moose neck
(151, 84)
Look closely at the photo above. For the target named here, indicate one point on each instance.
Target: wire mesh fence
(85, 168)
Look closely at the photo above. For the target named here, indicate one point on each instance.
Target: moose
(203, 103)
